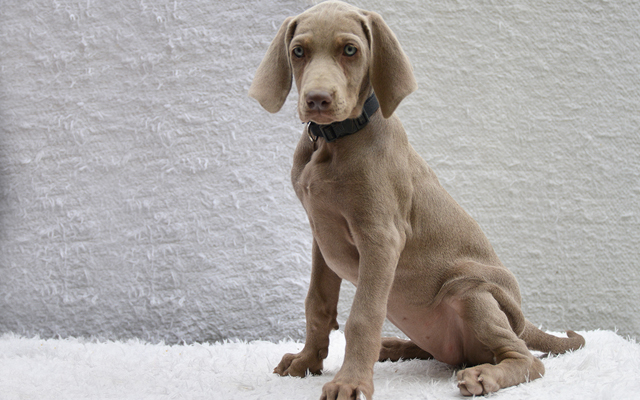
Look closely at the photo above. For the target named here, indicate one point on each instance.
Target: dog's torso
(373, 179)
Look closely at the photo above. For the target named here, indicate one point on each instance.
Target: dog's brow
(304, 39)
(347, 37)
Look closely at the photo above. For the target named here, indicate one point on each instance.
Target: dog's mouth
(319, 117)
(322, 117)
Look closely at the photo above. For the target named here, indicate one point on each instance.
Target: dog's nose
(318, 100)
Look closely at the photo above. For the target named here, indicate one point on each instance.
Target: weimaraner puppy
(381, 220)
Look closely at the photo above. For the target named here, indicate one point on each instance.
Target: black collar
(336, 130)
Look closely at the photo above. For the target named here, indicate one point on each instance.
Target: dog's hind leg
(514, 364)
(394, 349)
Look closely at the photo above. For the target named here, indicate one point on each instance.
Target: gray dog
(381, 220)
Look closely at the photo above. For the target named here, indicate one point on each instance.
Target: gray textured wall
(143, 194)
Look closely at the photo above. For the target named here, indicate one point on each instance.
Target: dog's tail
(542, 341)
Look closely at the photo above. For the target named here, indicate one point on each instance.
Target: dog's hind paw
(477, 381)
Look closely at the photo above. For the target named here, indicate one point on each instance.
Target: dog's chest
(315, 180)
(320, 191)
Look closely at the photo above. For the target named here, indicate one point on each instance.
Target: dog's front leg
(321, 310)
(378, 261)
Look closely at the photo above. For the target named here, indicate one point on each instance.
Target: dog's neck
(339, 129)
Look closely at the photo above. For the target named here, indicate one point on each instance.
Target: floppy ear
(390, 72)
(272, 81)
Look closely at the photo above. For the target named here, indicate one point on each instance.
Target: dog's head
(336, 53)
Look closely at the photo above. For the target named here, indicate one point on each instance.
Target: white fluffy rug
(607, 368)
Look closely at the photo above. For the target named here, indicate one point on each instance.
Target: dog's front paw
(299, 365)
(347, 389)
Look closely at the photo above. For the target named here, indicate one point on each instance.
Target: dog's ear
(390, 71)
(272, 81)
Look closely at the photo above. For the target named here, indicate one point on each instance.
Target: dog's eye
(350, 50)
(298, 52)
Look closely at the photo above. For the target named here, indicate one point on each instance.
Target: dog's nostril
(318, 100)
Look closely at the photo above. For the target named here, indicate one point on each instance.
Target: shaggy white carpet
(607, 368)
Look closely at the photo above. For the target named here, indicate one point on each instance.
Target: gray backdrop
(143, 194)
